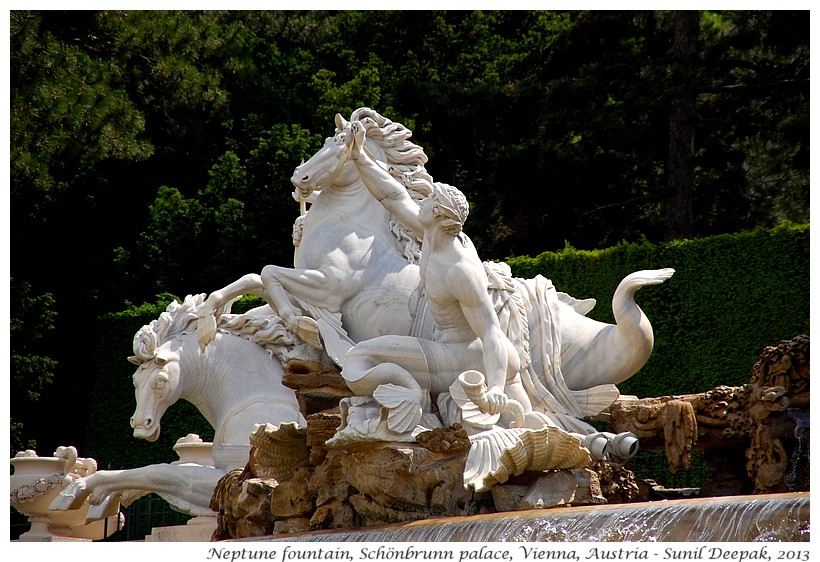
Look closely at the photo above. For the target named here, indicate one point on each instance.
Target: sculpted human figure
(357, 276)
(400, 371)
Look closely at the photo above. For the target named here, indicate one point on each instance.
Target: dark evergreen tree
(151, 151)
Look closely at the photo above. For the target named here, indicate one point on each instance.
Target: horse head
(330, 166)
(157, 351)
(387, 142)
(157, 386)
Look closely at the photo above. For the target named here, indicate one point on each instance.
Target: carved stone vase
(36, 481)
(191, 449)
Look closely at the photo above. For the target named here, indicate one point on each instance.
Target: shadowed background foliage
(151, 153)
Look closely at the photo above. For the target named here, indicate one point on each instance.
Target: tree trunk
(677, 212)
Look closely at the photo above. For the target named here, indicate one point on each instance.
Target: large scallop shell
(498, 454)
(278, 450)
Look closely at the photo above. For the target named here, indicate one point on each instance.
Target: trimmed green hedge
(731, 296)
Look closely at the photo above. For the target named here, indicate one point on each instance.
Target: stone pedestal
(198, 529)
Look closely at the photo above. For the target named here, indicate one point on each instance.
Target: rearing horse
(355, 267)
(355, 278)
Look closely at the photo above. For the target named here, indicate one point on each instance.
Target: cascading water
(773, 517)
(797, 478)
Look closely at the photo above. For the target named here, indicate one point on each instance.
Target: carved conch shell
(278, 450)
(498, 454)
(474, 388)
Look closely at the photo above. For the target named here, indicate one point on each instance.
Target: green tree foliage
(238, 222)
(32, 369)
(66, 114)
(69, 120)
(152, 150)
(754, 127)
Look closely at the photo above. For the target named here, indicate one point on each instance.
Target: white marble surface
(235, 383)
(387, 284)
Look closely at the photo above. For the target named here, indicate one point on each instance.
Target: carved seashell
(278, 450)
(470, 412)
(403, 404)
(498, 454)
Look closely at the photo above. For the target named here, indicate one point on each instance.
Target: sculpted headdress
(451, 208)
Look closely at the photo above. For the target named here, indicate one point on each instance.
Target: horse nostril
(148, 422)
(305, 178)
(132, 422)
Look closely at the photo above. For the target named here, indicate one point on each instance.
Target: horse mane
(268, 331)
(405, 161)
(176, 320)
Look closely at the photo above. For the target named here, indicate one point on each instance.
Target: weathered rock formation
(755, 421)
(374, 484)
(382, 483)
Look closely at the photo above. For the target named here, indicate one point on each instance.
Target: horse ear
(135, 360)
(341, 123)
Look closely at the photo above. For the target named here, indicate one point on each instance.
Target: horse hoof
(70, 498)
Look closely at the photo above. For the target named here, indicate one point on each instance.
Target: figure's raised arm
(384, 187)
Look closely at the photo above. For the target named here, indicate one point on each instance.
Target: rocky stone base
(382, 484)
(764, 422)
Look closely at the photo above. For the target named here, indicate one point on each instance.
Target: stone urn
(192, 450)
(36, 481)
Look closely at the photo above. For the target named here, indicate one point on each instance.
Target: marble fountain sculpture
(38, 480)
(415, 365)
(359, 277)
(235, 385)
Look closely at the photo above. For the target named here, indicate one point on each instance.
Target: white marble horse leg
(317, 286)
(195, 483)
(250, 284)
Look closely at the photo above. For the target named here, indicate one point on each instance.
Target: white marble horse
(236, 383)
(355, 278)
(355, 266)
